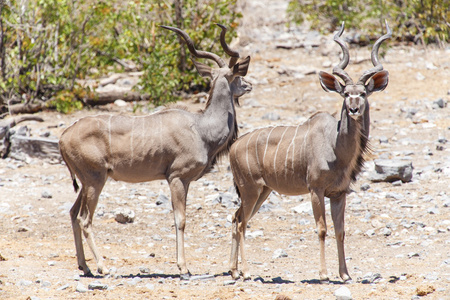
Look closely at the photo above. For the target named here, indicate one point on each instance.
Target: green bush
(416, 20)
(47, 46)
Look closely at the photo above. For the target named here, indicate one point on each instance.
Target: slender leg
(262, 197)
(76, 227)
(318, 205)
(242, 227)
(251, 202)
(235, 241)
(337, 213)
(86, 215)
(179, 192)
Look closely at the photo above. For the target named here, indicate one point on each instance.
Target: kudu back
(321, 156)
(173, 144)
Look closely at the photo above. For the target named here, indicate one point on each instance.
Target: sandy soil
(36, 244)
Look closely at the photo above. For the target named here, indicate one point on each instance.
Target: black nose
(354, 110)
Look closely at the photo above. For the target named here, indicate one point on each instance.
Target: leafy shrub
(48, 46)
(416, 20)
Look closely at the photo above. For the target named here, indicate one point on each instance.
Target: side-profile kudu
(173, 144)
(322, 157)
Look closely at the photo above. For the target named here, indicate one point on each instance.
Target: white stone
(343, 293)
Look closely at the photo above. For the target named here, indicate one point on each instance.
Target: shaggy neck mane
(364, 150)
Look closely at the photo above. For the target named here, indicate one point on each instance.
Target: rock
(81, 288)
(397, 183)
(162, 199)
(343, 293)
(420, 77)
(254, 234)
(134, 281)
(120, 103)
(424, 290)
(303, 208)
(229, 282)
(391, 170)
(63, 287)
(430, 66)
(150, 286)
(364, 187)
(279, 253)
(272, 116)
(413, 254)
(370, 232)
(46, 195)
(23, 229)
(203, 277)
(157, 237)
(23, 147)
(24, 282)
(386, 232)
(124, 215)
(440, 103)
(433, 210)
(97, 285)
(395, 196)
(371, 278)
(383, 140)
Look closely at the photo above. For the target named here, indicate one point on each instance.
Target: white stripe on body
(246, 156)
(267, 143)
(293, 154)
(256, 149)
(276, 152)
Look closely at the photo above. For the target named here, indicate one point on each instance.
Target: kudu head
(372, 80)
(233, 72)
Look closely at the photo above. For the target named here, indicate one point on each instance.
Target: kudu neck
(351, 132)
(217, 123)
(220, 99)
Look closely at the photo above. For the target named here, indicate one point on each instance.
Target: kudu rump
(321, 157)
(173, 144)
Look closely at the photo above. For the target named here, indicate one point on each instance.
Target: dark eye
(346, 95)
(363, 95)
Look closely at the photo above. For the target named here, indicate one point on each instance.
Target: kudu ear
(241, 68)
(378, 82)
(329, 83)
(203, 70)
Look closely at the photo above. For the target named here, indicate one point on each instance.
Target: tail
(75, 184)
(237, 189)
(72, 174)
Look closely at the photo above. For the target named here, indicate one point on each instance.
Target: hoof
(185, 276)
(100, 271)
(246, 276)
(234, 274)
(347, 279)
(88, 274)
(324, 279)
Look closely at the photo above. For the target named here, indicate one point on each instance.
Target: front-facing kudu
(321, 157)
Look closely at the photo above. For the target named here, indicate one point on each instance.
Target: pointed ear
(329, 83)
(378, 82)
(241, 68)
(203, 70)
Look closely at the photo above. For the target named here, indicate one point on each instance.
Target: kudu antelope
(173, 144)
(321, 156)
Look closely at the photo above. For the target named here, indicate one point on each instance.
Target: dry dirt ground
(36, 244)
